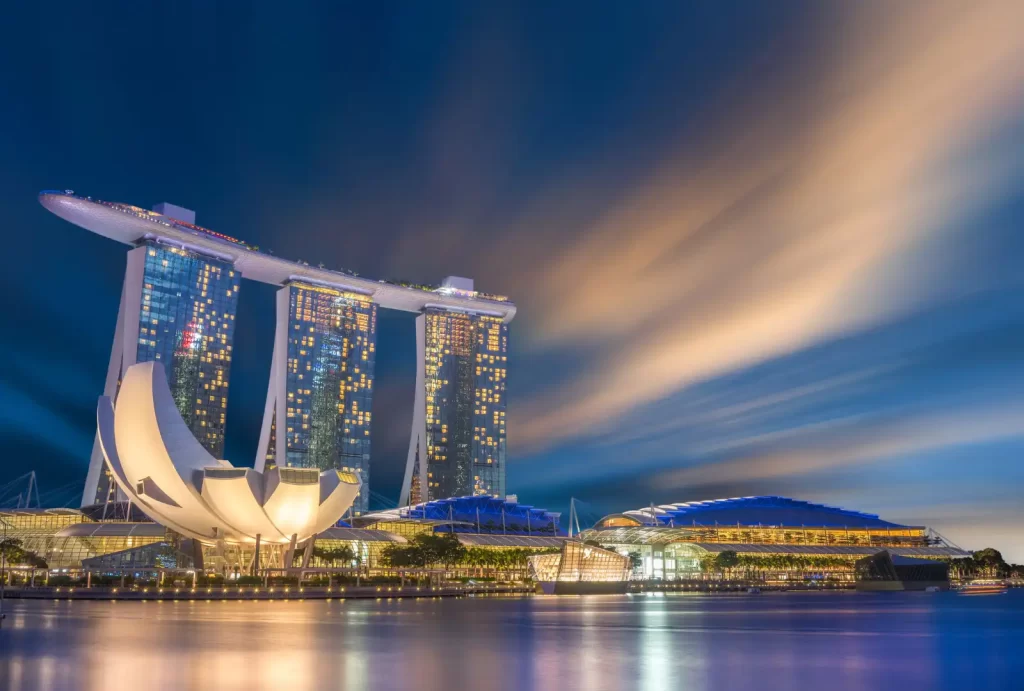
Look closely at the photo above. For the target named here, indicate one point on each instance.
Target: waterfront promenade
(292, 592)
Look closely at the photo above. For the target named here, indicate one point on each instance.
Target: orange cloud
(785, 232)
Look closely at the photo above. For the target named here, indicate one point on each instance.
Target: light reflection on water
(835, 641)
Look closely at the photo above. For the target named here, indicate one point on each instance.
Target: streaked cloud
(788, 227)
(854, 444)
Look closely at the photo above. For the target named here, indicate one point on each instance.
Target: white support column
(289, 556)
(269, 410)
(277, 388)
(308, 552)
(418, 438)
(122, 355)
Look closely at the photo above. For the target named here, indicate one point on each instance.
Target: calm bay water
(833, 641)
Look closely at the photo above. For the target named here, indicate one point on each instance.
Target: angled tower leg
(177, 306)
(416, 462)
(98, 486)
(320, 396)
(272, 434)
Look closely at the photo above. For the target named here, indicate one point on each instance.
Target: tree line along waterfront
(443, 553)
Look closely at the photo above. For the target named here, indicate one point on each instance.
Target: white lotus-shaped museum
(159, 464)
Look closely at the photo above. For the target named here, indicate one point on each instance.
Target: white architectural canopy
(160, 465)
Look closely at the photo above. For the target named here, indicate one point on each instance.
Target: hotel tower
(319, 402)
(178, 306)
(457, 446)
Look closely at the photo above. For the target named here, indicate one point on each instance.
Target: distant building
(320, 398)
(458, 442)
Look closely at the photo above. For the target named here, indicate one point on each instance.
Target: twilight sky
(756, 248)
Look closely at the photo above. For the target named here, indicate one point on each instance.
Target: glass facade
(368, 553)
(164, 555)
(404, 528)
(64, 538)
(332, 342)
(660, 561)
(465, 371)
(580, 563)
(187, 322)
(668, 553)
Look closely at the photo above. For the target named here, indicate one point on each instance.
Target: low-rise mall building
(771, 537)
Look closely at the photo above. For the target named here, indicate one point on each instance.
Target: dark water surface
(838, 641)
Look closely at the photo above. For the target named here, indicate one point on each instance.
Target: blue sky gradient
(756, 248)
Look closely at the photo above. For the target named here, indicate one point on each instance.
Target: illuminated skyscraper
(319, 402)
(177, 306)
(458, 438)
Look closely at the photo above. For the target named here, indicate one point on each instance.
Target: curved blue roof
(492, 512)
(759, 511)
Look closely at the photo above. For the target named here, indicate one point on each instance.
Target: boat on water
(992, 586)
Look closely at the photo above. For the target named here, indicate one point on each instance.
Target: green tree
(402, 556)
(727, 560)
(14, 553)
(990, 561)
(440, 548)
(707, 563)
(426, 549)
(964, 567)
(333, 556)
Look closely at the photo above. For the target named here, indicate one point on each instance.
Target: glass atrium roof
(494, 515)
(478, 540)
